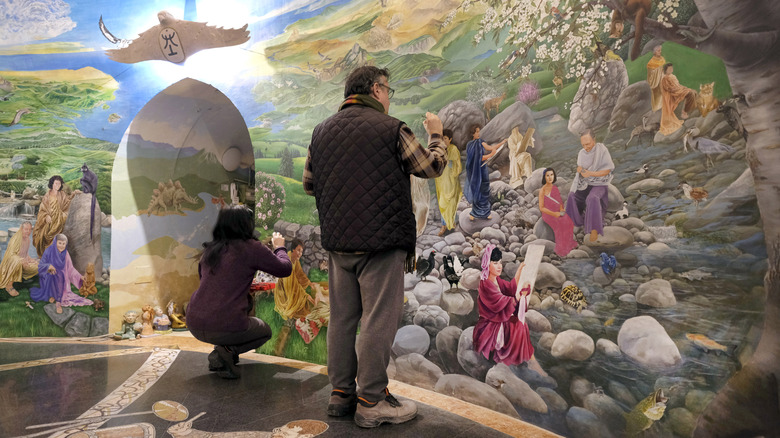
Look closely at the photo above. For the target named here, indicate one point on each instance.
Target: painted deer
(492, 104)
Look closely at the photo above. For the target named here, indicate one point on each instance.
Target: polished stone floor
(132, 390)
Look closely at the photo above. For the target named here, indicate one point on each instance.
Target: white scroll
(533, 258)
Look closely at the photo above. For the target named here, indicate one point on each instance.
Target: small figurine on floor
(161, 322)
(146, 320)
(88, 282)
(130, 326)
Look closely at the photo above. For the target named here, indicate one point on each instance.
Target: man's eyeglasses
(390, 91)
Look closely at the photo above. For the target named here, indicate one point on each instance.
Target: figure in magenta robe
(501, 329)
(56, 274)
(554, 214)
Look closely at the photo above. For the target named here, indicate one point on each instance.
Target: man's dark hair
(473, 128)
(447, 133)
(667, 65)
(56, 178)
(362, 78)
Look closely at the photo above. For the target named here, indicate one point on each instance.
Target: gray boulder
(721, 211)
(459, 116)
(633, 102)
(519, 116)
(99, 326)
(579, 388)
(585, 424)
(473, 391)
(79, 325)
(472, 361)
(470, 227)
(597, 96)
(82, 248)
(457, 302)
(607, 409)
(447, 346)
(549, 276)
(537, 322)
(574, 345)
(410, 307)
(58, 318)
(555, 402)
(608, 348)
(614, 239)
(549, 246)
(432, 318)
(411, 339)
(455, 238)
(470, 279)
(416, 370)
(491, 234)
(656, 293)
(516, 391)
(428, 291)
(645, 341)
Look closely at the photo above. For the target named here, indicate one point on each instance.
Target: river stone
(458, 116)
(549, 246)
(79, 325)
(647, 185)
(544, 231)
(410, 280)
(547, 303)
(629, 223)
(658, 247)
(574, 345)
(656, 293)
(645, 237)
(621, 286)
(600, 277)
(614, 239)
(615, 200)
(645, 341)
(621, 393)
(474, 391)
(697, 400)
(469, 227)
(447, 346)
(515, 390)
(549, 276)
(470, 278)
(432, 318)
(547, 340)
(415, 369)
(428, 291)
(99, 326)
(608, 348)
(578, 254)
(607, 409)
(499, 189)
(473, 362)
(83, 247)
(58, 318)
(579, 388)
(681, 420)
(457, 302)
(493, 234)
(411, 339)
(585, 424)
(455, 238)
(555, 402)
(537, 322)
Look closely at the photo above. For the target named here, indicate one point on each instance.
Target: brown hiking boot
(389, 410)
(341, 403)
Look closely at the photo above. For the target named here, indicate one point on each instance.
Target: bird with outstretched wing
(174, 40)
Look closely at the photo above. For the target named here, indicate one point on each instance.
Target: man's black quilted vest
(363, 195)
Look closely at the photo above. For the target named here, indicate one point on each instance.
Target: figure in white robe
(520, 162)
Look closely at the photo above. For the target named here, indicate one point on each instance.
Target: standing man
(655, 72)
(588, 194)
(358, 169)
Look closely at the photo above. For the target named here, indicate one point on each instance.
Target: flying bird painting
(174, 40)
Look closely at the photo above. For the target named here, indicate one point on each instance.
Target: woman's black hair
(447, 133)
(544, 175)
(234, 222)
(55, 178)
(495, 255)
(296, 243)
(473, 128)
(667, 65)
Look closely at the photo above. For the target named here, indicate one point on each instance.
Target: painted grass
(19, 321)
(315, 352)
(271, 166)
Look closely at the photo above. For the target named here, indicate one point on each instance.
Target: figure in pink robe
(554, 214)
(501, 329)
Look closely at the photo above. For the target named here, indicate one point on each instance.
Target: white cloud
(33, 20)
(294, 5)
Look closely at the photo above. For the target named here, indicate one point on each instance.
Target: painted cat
(705, 100)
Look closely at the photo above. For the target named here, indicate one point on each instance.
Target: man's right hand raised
(433, 124)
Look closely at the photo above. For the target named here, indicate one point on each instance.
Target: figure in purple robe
(501, 329)
(56, 274)
(477, 190)
(554, 214)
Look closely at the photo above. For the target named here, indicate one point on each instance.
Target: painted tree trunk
(745, 35)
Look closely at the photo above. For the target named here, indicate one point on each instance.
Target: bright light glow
(224, 13)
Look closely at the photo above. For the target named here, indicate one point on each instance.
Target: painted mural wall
(661, 325)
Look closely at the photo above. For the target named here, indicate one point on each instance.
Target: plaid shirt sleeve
(419, 161)
(308, 175)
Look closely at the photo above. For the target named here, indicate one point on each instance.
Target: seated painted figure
(57, 274)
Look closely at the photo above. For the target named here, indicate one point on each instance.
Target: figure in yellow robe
(448, 190)
(291, 300)
(17, 265)
(655, 72)
(673, 94)
(52, 214)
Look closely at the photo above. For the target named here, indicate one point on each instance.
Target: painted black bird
(425, 266)
(453, 270)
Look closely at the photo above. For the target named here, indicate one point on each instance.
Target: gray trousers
(366, 289)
